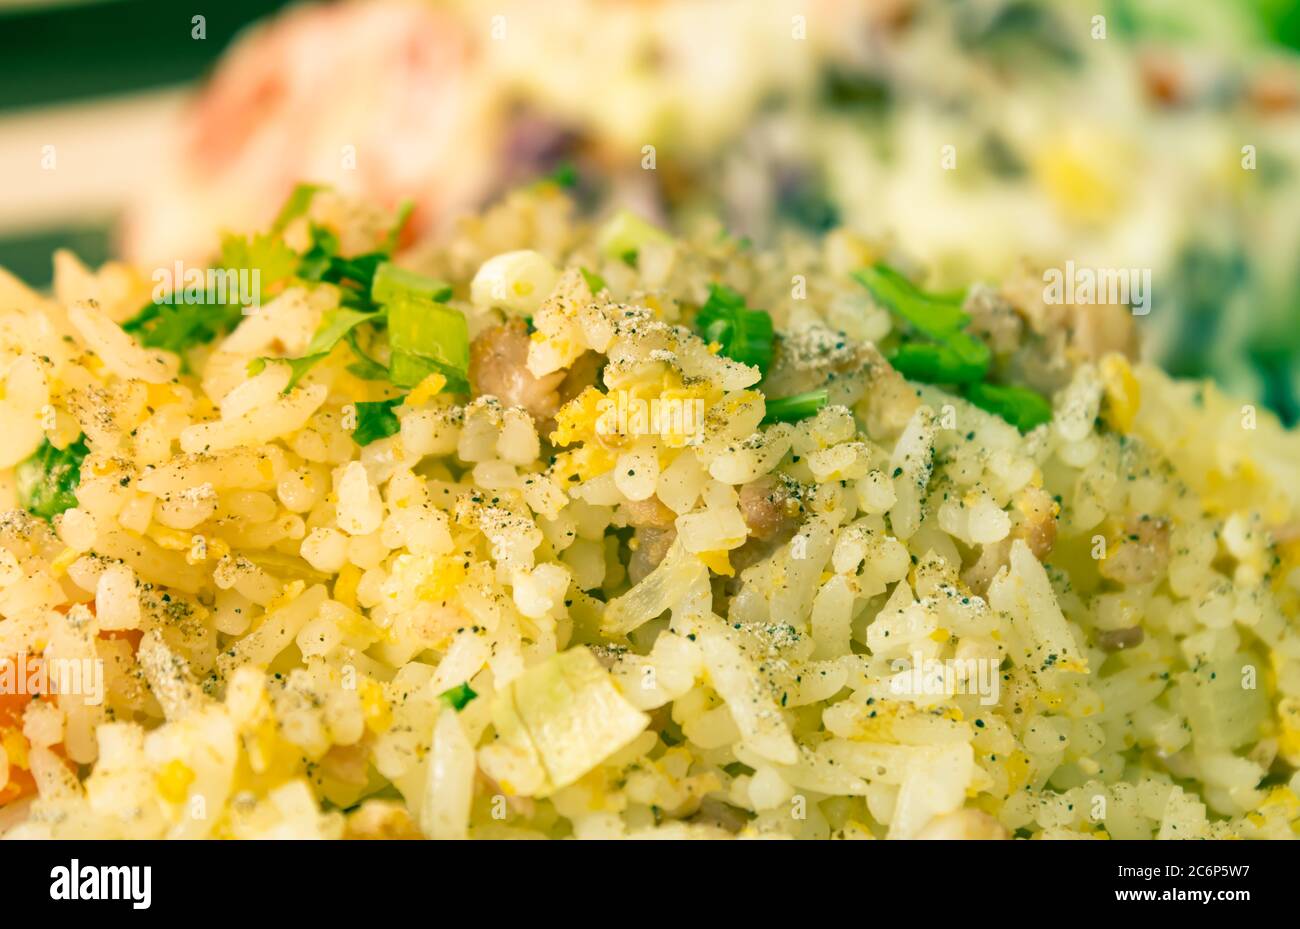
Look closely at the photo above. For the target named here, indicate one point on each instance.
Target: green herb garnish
(47, 480)
(595, 283)
(298, 367)
(951, 355)
(934, 315)
(940, 351)
(376, 420)
(458, 697)
(745, 335)
(364, 367)
(296, 205)
(179, 326)
(265, 253)
(793, 409)
(1023, 408)
(625, 233)
(938, 363)
(391, 283)
(565, 175)
(426, 337)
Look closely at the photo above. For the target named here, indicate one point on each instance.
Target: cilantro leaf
(376, 420)
(47, 479)
(335, 325)
(458, 697)
(364, 367)
(745, 335)
(952, 355)
(265, 256)
(180, 326)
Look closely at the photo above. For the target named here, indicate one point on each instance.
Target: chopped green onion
(595, 283)
(47, 480)
(376, 420)
(1023, 408)
(458, 697)
(335, 325)
(939, 363)
(626, 233)
(793, 409)
(744, 335)
(935, 315)
(952, 356)
(426, 337)
(297, 205)
(392, 283)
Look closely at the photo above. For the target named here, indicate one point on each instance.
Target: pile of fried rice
(594, 578)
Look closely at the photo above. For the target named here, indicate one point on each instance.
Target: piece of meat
(1116, 640)
(649, 512)
(993, 319)
(1036, 522)
(721, 815)
(583, 373)
(1056, 338)
(498, 366)
(768, 507)
(650, 546)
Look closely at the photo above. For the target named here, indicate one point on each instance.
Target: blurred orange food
(12, 706)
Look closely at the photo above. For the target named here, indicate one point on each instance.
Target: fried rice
(585, 575)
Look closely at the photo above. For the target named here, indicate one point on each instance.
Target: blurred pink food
(374, 98)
